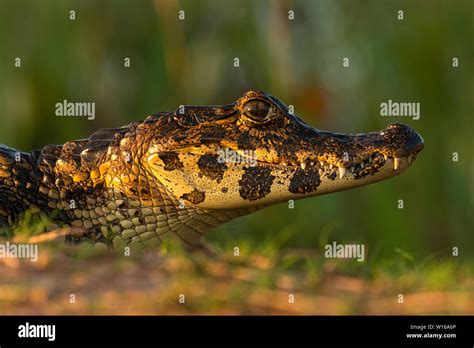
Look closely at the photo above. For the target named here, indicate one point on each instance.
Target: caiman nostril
(397, 125)
(400, 127)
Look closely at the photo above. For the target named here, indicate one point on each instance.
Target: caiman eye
(257, 110)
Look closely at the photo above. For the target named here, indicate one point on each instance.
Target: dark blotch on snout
(211, 167)
(256, 183)
(304, 181)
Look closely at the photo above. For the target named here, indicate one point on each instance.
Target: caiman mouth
(332, 170)
(334, 155)
(345, 155)
(367, 166)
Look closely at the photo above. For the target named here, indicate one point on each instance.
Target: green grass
(257, 281)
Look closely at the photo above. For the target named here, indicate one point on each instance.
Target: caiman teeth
(342, 171)
(395, 162)
(357, 167)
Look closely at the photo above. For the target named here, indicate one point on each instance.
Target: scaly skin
(164, 178)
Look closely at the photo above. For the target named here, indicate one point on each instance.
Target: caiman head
(255, 152)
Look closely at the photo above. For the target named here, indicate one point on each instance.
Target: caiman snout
(368, 154)
(401, 140)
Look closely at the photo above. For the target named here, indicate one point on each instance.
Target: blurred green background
(191, 61)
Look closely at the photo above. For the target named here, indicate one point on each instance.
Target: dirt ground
(91, 281)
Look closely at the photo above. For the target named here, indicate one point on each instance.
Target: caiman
(176, 175)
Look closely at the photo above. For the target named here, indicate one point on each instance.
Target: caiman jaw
(281, 157)
(363, 155)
